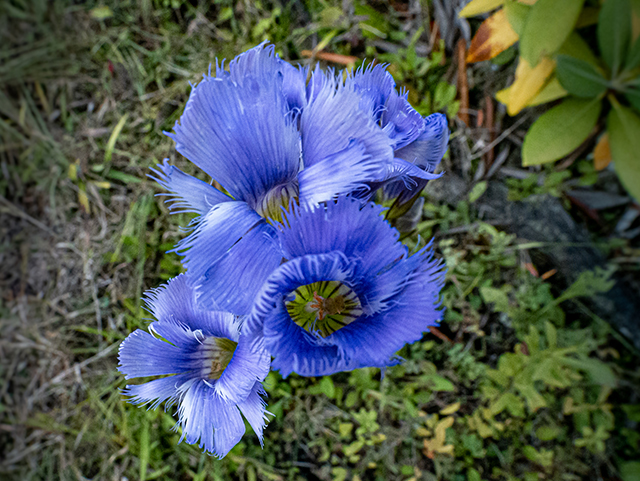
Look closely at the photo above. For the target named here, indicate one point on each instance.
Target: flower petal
(247, 367)
(188, 194)
(411, 307)
(206, 419)
(174, 305)
(398, 119)
(142, 355)
(334, 118)
(253, 408)
(157, 391)
(238, 130)
(347, 226)
(270, 325)
(344, 172)
(427, 150)
(232, 281)
(220, 228)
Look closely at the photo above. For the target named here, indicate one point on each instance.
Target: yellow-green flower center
(217, 352)
(272, 204)
(323, 307)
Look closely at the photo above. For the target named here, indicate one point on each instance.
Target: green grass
(531, 385)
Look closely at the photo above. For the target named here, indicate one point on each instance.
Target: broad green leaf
(580, 78)
(560, 131)
(576, 47)
(633, 96)
(494, 36)
(630, 471)
(476, 7)
(553, 90)
(623, 126)
(547, 27)
(633, 58)
(517, 15)
(614, 33)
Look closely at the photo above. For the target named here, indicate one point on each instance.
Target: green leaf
(579, 77)
(633, 96)
(547, 27)
(633, 58)
(560, 131)
(614, 33)
(624, 125)
(576, 47)
(517, 15)
(477, 191)
(495, 296)
(630, 471)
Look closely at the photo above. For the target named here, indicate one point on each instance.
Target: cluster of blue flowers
(289, 265)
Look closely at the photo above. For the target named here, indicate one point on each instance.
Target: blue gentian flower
(349, 296)
(266, 137)
(419, 141)
(214, 375)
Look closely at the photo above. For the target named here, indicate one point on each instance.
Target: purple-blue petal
(427, 150)
(157, 391)
(333, 119)
(233, 280)
(247, 367)
(143, 355)
(214, 424)
(218, 230)
(253, 409)
(188, 194)
(238, 128)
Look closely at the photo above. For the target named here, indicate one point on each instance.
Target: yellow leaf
(476, 7)
(602, 153)
(102, 185)
(73, 172)
(551, 91)
(83, 200)
(450, 409)
(528, 83)
(502, 96)
(494, 36)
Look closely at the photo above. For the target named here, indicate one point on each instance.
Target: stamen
(216, 353)
(322, 308)
(271, 205)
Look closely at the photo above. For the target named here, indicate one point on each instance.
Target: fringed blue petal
(157, 391)
(409, 313)
(294, 83)
(253, 408)
(427, 150)
(218, 230)
(269, 326)
(333, 119)
(206, 419)
(247, 367)
(238, 129)
(347, 171)
(295, 350)
(347, 226)
(232, 281)
(174, 305)
(142, 355)
(188, 194)
(391, 110)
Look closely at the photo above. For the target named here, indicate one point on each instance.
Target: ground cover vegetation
(525, 378)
